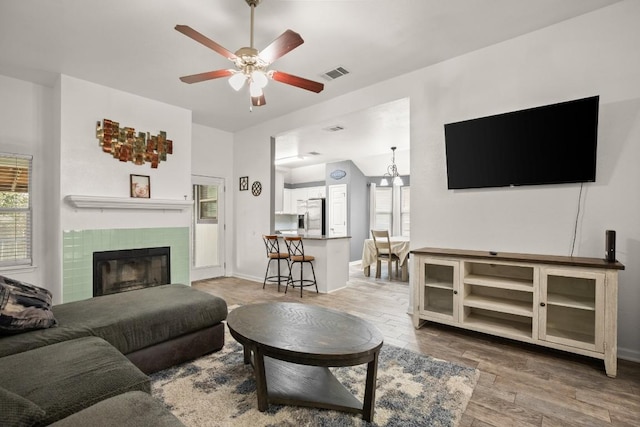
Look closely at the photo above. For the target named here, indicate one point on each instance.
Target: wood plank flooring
(520, 384)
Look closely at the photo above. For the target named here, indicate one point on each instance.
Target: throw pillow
(24, 307)
(18, 411)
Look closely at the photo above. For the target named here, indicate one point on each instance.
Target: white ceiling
(365, 137)
(132, 46)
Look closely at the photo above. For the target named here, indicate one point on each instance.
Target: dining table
(399, 246)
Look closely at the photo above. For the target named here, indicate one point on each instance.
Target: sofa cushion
(137, 319)
(24, 307)
(67, 377)
(130, 321)
(132, 409)
(16, 411)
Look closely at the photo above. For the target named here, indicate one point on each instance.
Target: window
(15, 210)
(391, 208)
(206, 197)
(383, 209)
(405, 205)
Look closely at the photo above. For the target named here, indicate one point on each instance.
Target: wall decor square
(140, 186)
(244, 183)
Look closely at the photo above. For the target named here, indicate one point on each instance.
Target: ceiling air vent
(335, 73)
(334, 128)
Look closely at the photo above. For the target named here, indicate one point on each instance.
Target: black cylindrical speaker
(610, 245)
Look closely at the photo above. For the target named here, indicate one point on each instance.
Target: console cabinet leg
(611, 364)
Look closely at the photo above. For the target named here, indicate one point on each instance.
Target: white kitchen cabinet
(286, 202)
(296, 195)
(279, 192)
(316, 192)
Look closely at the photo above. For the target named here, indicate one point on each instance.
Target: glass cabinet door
(572, 308)
(438, 286)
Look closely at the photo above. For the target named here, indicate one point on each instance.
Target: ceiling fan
(251, 64)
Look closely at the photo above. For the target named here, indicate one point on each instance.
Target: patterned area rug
(412, 390)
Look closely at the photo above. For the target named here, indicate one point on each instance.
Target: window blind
(384, 209)
(15, 209)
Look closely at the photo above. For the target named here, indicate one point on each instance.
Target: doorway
(208, 228)
(338, 210)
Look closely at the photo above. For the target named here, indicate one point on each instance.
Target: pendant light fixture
(392, 172)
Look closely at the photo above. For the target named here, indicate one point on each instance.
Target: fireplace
(126, 270)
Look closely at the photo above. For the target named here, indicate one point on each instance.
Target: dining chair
(382, 243)
(297, 256)
(274, 254)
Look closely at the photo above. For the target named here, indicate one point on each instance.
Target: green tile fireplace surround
(79, 246)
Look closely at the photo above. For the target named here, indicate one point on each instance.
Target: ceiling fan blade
(209, 75)
(258, 101)
(190, 32)
(292, 80)
(287, 41)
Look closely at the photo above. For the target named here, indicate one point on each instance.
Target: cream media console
(565, 303)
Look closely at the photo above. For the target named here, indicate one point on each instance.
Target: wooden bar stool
(296, 255)
(274, 254)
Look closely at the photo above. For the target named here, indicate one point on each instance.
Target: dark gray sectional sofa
(91, 368)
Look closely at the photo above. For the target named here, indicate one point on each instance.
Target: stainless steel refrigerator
(311, 217)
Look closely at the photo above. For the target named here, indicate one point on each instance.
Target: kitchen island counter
(307, 236)
(331, 263)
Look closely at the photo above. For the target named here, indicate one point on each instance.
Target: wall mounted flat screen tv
(552, 144)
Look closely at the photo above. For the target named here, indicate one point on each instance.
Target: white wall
(88, 171)
(594, 54)
(25, 128)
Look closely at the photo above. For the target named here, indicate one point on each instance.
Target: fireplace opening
(130, 269)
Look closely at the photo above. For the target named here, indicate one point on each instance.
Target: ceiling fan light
(237, 81)
(259, 78)
(255, 90)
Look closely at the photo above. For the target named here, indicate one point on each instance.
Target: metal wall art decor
(140, 186)
(244, 183)
(123, 144)
(256, 188)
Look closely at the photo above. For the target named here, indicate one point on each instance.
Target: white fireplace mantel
(98, 202)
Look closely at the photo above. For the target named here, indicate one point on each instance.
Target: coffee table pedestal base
(313, 386)
(302, 385)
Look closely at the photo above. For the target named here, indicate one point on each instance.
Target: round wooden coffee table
(291, 346)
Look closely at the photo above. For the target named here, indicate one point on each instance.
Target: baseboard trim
(247, 277)
(629, 355)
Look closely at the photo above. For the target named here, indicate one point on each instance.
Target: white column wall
(212, 155)
(88, 171)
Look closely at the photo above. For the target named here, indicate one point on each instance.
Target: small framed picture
(244, 183)
(140, 186)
